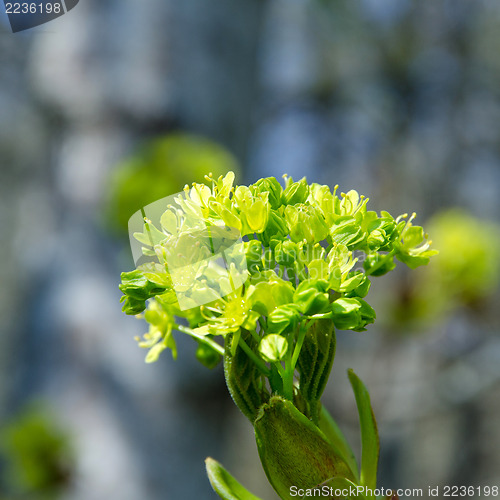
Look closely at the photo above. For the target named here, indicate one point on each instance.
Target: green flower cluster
(298, 242)
(297, 265)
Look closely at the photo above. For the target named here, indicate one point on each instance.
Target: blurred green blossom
(37, 456)
(470, 263)
(467, 273)
(162, 165)
(300, 283)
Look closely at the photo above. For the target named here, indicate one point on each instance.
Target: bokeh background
(117, 104)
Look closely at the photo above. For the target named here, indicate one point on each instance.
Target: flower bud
(295, 192)
(271, 186)
(284, 319)
(315, 363)
(305, 223)
(242, 377)
(311, 298)
(293, 451)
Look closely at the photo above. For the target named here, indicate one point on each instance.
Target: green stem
(280, 369)
(268, 258)
(276, 380)
(288, 383)
(291, 362)
(262, 324)
(255, 336)
(287, 375)
(258, 362)
(202, 338)
(281, 271)
(298, 345)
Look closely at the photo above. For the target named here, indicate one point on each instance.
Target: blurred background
(117, 104)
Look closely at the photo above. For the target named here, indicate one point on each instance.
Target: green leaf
(369, 434)
(333, 433)
(293, 451)
(225, 485)
(273, 347)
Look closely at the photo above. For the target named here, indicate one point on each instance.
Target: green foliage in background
(161, 166)
(467, 274)
(37, 457)
(301, 283)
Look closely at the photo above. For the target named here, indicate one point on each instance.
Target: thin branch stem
(298, 345)
(201, 338)
(258, 362)
(280, 369)
(255, 335)
(287, 376)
